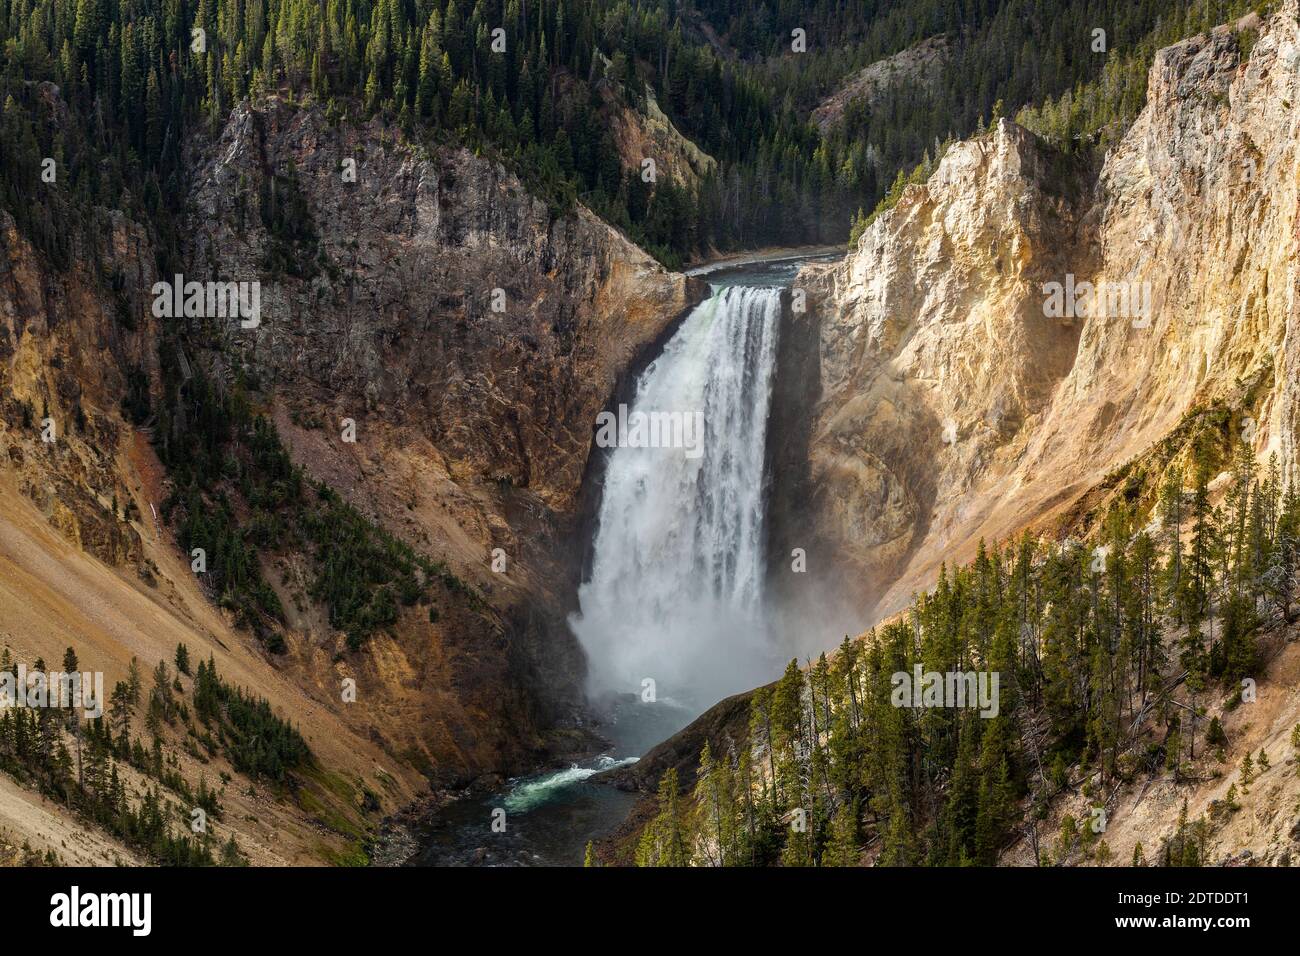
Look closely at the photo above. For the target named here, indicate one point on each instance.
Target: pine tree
(666, 841)
(133, 682)
(842, 848)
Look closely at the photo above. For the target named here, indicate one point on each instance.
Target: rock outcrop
(428, 288)
(472, 334)
(957, 403)
(645, 132)
(86, 564)
(69, 351)
(952, 400)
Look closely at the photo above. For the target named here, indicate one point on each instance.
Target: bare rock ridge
(953, 407)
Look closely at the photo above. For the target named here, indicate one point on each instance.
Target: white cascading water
(675, 593)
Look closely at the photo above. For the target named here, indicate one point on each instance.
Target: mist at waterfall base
(675, 591)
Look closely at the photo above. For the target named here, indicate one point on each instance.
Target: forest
(1115, 659)
(136, 79)
(81, 763)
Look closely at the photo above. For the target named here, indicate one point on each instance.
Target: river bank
(758, 257)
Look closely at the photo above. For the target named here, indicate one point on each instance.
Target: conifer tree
(666, 840)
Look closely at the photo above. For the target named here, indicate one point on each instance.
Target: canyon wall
(86, 564)
(950, 403)
(473, 334)
(473, 430)
(954, 407)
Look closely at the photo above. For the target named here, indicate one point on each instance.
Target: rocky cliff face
(957, 403)
(67, 349)
(645, 132)
(84, 562)
(470, 333)
(952, 401)
(435, 292)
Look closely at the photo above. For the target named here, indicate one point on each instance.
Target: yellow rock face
(956, 405)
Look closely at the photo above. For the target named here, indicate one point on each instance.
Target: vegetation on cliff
(1095, 114)
(136, 78)
(1095, 648)
(82, 762)
(237, 496)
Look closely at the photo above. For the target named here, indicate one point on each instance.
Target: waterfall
(675, 593)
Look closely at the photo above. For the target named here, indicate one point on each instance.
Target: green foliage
(1244, 41)
(1096, 112)
(665, 839)
(1188, 845)
(257, 741)
(239, 497)
(1090, 648)
(136, 403)
(35, 748)
(364, 573)
(1215, 736)
(293, 246)
(228, 451)
(135, 89)
(919, 175)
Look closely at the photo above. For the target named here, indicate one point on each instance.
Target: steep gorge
(946, 405)
(473, 335)
(949, 406)
(472, 427)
